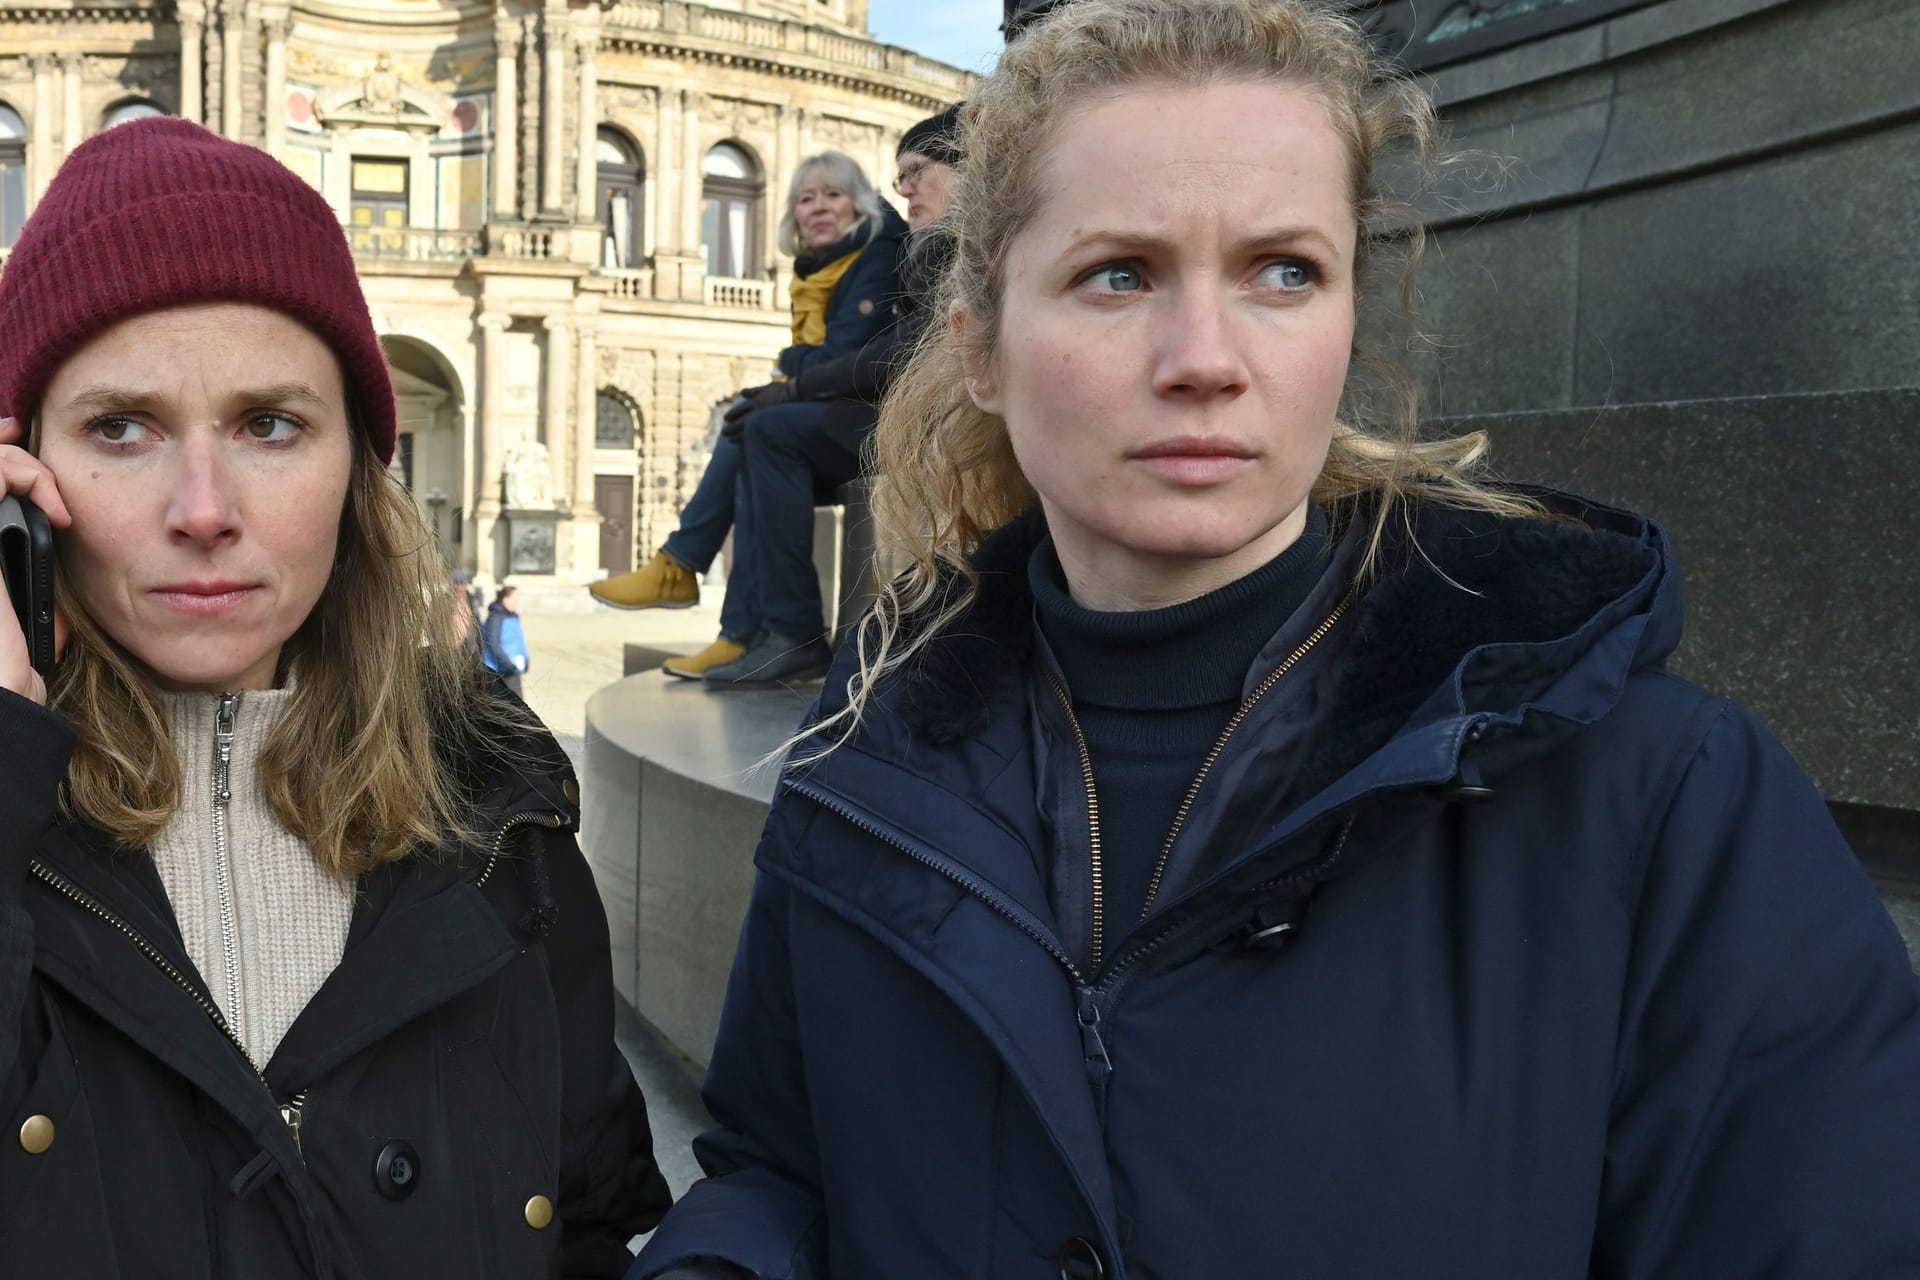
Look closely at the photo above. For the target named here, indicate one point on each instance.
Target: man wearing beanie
(928, 158)
(301, 970)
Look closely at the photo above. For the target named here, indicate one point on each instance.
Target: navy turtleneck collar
(1188, 655)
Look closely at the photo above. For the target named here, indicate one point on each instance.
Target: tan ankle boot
(660, 583)
(695, 665)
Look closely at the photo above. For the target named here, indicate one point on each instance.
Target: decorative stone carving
(851, 136)
(383, 100)
(740, 115)
(528, 477)
(643, 99)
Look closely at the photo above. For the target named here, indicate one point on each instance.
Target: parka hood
(1468, 617)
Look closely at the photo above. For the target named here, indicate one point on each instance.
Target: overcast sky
(963, 33)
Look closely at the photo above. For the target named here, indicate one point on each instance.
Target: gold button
(571, 790)
(36, 1135)
(539, 1212)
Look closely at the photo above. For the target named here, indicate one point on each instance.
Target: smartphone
(26, 562)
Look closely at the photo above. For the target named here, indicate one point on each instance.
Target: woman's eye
(1115, 277)
(116, 430)
(1286, 276)
(273, 427)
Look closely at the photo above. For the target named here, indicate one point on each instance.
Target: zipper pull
(1099, 1065)
(292, 1111)
(223, 742)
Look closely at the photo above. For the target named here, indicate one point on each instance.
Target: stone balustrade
(754, 295)
(673, 18)
(413, 244)
(627, 284)
(514, 240)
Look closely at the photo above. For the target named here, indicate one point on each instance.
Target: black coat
(467, 1031)
(1489, 950)
(855, 381)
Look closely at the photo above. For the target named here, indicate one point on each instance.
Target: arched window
(130, 109)
(13, 175)
(730, 212)
(613, 426)
(621, 173)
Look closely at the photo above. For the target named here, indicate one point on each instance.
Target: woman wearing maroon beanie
(301, 970)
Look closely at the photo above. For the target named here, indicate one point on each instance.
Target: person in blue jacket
(1250, 842)
(845, 241)
(503, 642)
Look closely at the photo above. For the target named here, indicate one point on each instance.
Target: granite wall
(1695, 199)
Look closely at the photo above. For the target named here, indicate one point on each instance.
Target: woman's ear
(976, 366)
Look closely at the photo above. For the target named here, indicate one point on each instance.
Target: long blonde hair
(946, 471)
(360, 766)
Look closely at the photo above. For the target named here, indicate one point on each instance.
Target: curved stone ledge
(673, 809)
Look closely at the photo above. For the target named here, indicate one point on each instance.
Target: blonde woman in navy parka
(1244, 844)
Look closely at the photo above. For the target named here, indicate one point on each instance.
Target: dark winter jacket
(458, 1064)
(1488, 949)
(862, 302)
(855, 382)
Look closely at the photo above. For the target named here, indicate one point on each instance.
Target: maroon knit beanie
(158, 213)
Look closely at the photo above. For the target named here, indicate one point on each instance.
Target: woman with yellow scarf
(845, 241)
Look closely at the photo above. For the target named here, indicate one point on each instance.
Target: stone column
(232, 30)
(506, 116)
(45, 161)
(663, 183)
(72, 131)
(553, 412)
(693, 271)
(193, 31)
(586, 396)
(587, 177)
(553, 30)
(491, 455)
(275, 108)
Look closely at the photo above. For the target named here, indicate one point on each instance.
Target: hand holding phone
(26, 564)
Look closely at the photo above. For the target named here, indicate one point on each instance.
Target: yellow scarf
(810, 297)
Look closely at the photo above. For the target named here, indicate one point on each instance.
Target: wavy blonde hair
(946, 471)
(361, 765)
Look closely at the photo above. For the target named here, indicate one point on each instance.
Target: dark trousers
(787, 454)
(716, 507)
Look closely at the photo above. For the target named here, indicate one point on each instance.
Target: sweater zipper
(1094, 857)
(224, 715)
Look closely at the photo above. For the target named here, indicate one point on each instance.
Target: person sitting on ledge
(811, 428)
(846, 242)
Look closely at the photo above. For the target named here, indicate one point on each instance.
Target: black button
(396, 1170)
(1079, 1260)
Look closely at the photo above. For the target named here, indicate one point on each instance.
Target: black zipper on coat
(1095, 861)
(1094, 995)
(73, 893)
(551, 821)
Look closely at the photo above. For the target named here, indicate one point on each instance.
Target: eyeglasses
(910, 176)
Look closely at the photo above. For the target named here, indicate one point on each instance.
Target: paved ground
(573, 655)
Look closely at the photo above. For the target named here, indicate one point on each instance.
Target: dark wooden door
(613, 499)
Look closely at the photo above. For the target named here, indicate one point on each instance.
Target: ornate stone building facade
(565, 212)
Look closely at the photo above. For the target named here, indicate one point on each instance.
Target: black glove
(735, 419)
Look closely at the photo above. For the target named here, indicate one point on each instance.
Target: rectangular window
(379, 206)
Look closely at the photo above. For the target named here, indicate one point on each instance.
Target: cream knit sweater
(286, 918)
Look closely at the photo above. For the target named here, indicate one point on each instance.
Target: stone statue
(528, 477)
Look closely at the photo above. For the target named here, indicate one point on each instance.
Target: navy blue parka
(1488, 949)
